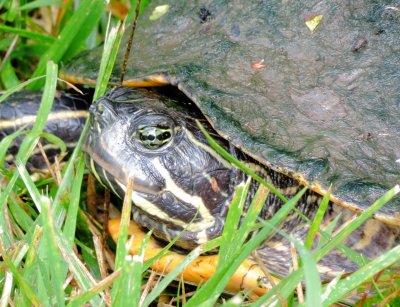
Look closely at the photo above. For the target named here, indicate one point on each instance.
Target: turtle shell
(308, 88)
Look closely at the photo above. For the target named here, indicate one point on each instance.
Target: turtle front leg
(249, 277)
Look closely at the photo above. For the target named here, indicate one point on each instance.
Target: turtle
(314, 107)
(303, 103)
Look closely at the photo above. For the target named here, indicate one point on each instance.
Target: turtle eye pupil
(153, 137)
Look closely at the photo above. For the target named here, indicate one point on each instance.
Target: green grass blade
(171, 276)
(362, 275)
(331, 286)
(239, 165)
(72, 35)
(125, 219)
(39, 3)
(288, 284)
(28, 34)
(227, 248)
(111, 47)
(314, 228)
(358, 221)
(70, 220)
(20, 216)
(43, 112)
(77, 268)
(33, 248)
(311, 275)
(128, 286)
(24, 287)
(51, 253)
(253, 212)
(62, 197)
(30, 141)
(18, 87)
(8, 76)
(285, 288)
(212, 289)
(51, 138)
(48, 247)
(82, 299)
(122, 249)
(5, 144)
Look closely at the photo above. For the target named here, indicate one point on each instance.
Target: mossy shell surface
(319, 104)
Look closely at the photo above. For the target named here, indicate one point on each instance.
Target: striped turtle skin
(66, 121)
(181, 183)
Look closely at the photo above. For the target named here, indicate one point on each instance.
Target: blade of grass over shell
(310, 272)
(5, 144)
(239, 165)
(51, 138)
(111, 46)
(288, 284)
(362, 275)
(325, 234)
(214, 287)
(316, 223)
(311, 275)
(252, 213)
(72, 35)
(285, 289)
(357, 222)
(229, 233)
(18, 87)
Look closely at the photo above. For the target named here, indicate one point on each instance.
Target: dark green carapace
(322, 106)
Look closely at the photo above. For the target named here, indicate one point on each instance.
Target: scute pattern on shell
(306, 105)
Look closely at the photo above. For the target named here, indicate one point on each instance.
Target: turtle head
(180, 183)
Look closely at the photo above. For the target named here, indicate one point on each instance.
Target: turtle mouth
(167, 210)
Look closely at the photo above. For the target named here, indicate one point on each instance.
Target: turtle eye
(153, 137)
